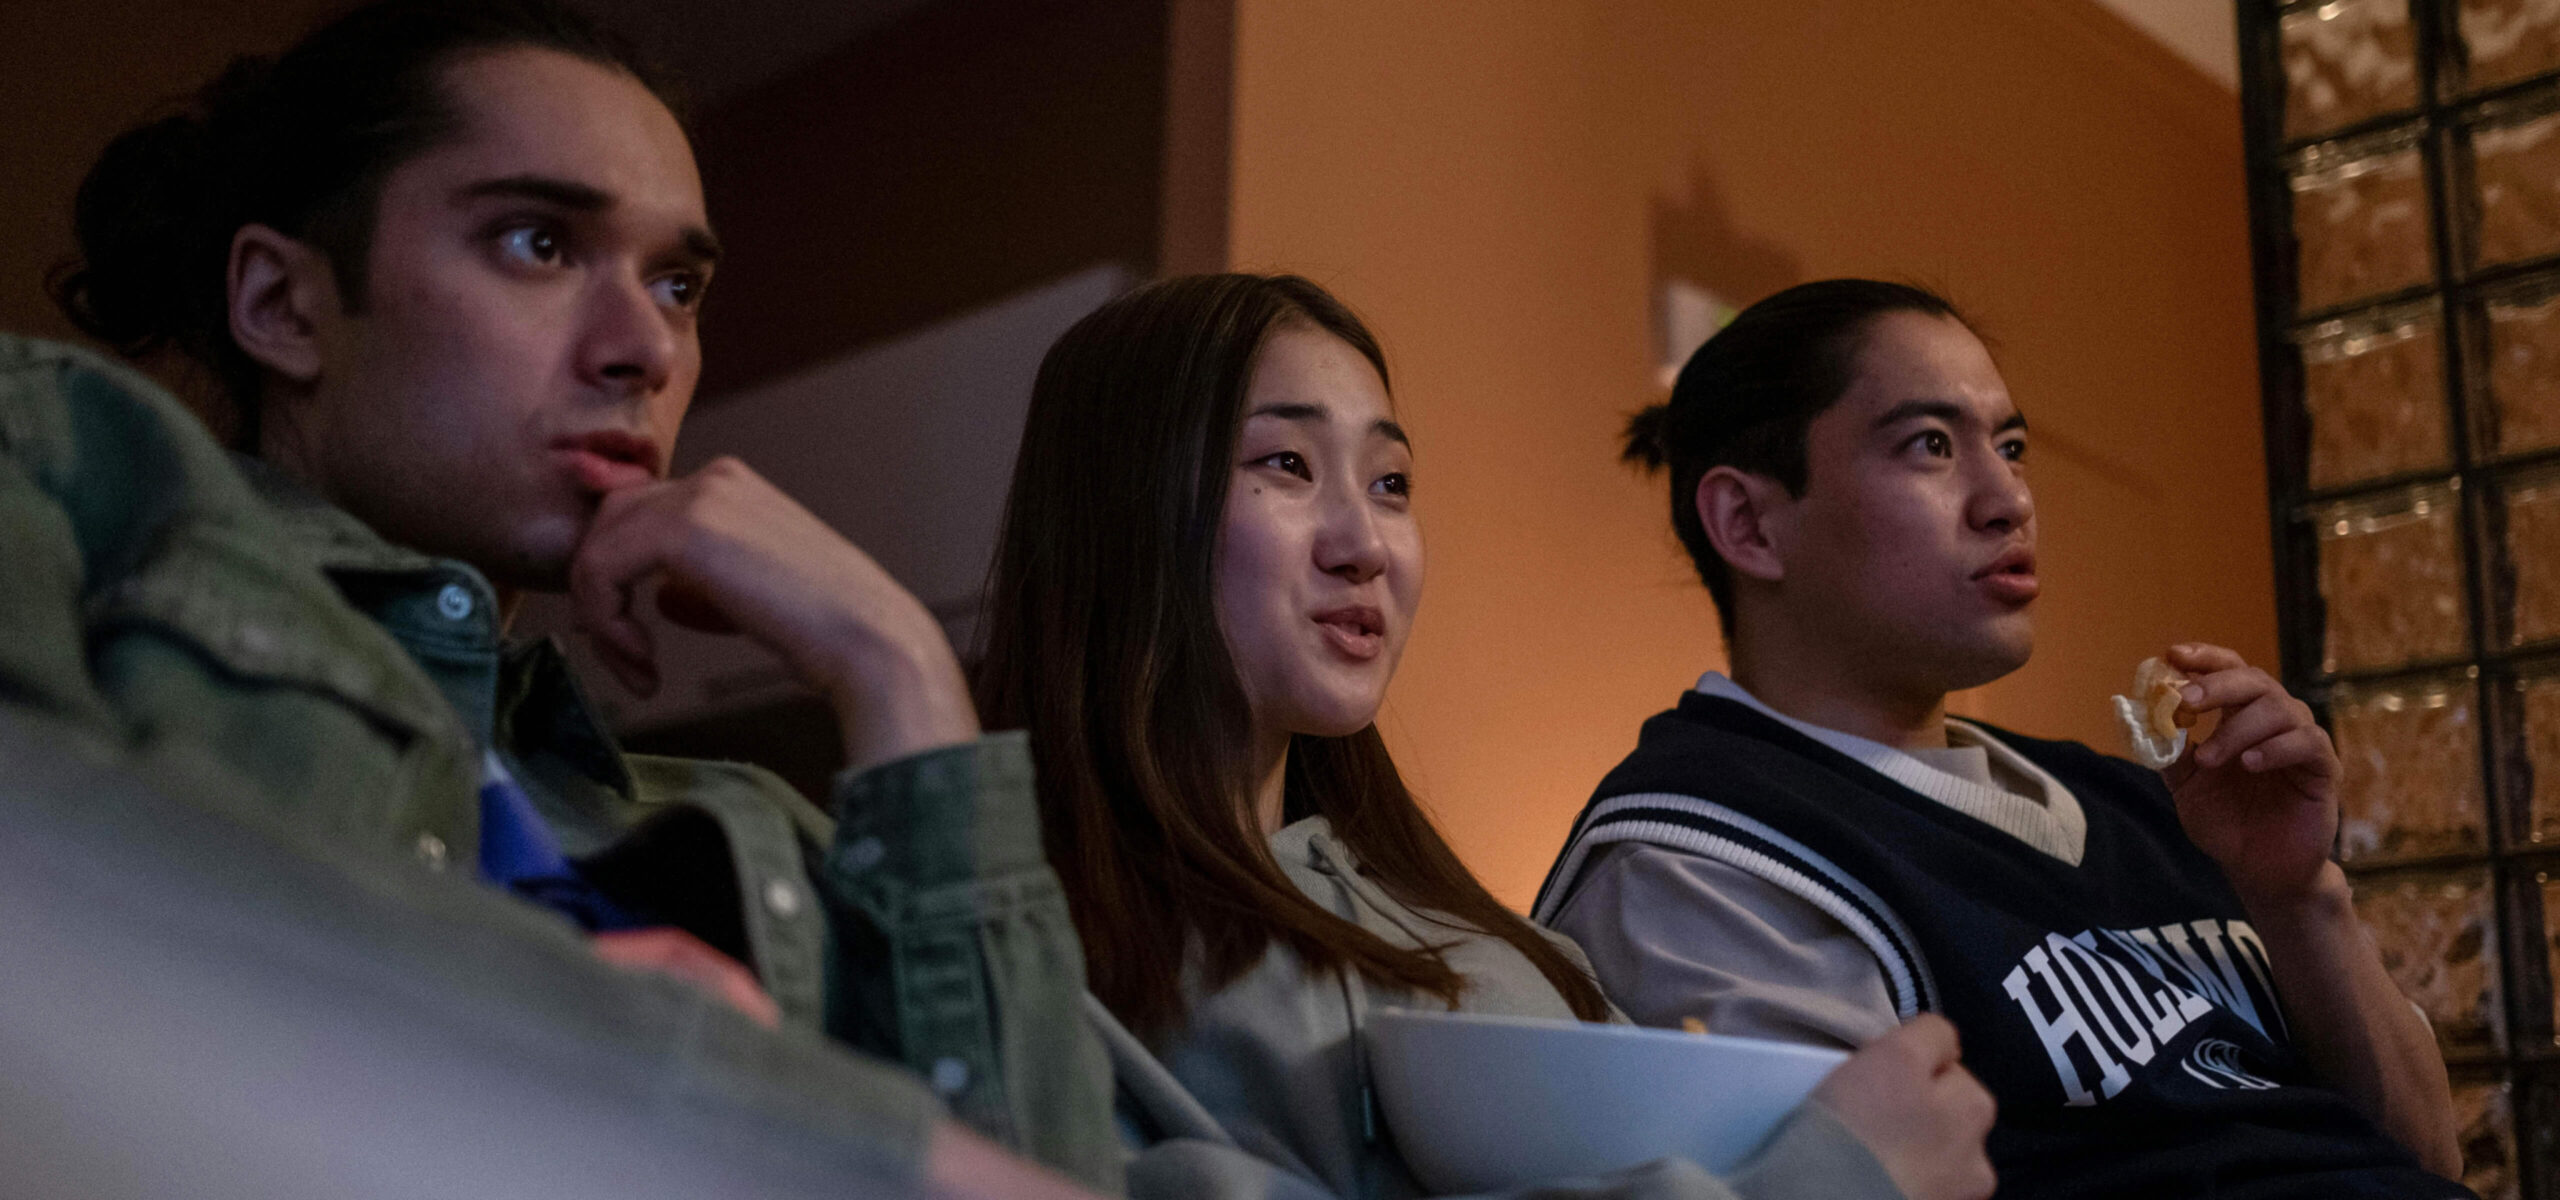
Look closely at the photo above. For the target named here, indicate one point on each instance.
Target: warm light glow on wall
(1504, 193)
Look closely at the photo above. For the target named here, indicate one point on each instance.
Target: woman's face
(1319, 560)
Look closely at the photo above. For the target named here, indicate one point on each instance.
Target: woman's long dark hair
(1102, 640)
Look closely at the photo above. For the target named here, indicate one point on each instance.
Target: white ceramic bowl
(1481, 1102)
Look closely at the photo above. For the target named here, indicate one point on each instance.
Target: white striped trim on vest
(1710, 830)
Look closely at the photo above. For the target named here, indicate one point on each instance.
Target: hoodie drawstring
(1351, 1003)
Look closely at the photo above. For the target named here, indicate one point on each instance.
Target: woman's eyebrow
(1317, 415)
(1292, 412)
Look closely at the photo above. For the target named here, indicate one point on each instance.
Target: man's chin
(1992, 655)
(537, 559)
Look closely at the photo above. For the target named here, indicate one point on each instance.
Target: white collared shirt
(1976, 774)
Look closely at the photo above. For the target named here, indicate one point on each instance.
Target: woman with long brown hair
(1209, 567)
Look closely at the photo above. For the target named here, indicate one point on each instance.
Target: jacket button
(782, 898)
(431, 848)
(454, 602)
(949, 1076)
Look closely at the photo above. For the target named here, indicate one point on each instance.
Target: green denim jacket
(213, 620)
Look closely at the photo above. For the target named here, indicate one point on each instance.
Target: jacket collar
(534, 692)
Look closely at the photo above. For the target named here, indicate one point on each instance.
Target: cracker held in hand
(2150, 715)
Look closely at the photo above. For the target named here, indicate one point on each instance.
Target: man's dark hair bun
(154, 220)
(1648, 438)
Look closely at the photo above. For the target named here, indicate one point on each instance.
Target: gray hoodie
(1264, 1091)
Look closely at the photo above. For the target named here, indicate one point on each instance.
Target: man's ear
(1742, 517)
(278, 288)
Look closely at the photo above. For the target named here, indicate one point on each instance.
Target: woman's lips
(1358, 634)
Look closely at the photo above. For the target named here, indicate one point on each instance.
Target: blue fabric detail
(519, 853)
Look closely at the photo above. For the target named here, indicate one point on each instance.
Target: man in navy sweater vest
(2159, 975)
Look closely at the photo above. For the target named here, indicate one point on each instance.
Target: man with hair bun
(2159, 975)
(435, 272)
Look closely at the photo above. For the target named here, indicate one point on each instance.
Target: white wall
(2203, 32)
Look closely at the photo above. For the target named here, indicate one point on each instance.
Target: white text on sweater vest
(2111, 999)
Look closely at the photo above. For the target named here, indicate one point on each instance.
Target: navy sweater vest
(2121, 1011)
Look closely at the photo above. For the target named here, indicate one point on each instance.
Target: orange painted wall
(1491, 184)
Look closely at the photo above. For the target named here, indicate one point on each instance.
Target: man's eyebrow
(1314, 413)
(699, 243)
(559, 193)
(1944, 410)
(704, 246)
